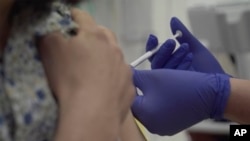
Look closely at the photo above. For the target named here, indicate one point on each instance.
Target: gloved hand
(191, 55)
(164, 58)
(174, 100)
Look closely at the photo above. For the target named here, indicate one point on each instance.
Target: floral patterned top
(28, 110)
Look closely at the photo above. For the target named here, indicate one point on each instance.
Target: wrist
(222, 95)
(237, 108)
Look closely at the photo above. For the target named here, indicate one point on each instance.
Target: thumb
(140, 79)
(137, 108)
(143, 113)
(187, 36)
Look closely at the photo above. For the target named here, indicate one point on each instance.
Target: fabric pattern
(28, 110)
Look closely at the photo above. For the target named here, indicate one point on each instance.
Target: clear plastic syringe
(152, 52)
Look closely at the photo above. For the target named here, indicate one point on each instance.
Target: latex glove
(181, 59)
(174, 100)
(192, 52)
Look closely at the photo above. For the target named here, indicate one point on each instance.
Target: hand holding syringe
(152, 52)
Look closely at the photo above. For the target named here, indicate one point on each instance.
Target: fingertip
(163, 54)
(170, 43)
(153, 37)
(167, 48)
(182, 50)
(152, 42)
(174, 24)
(177, 25)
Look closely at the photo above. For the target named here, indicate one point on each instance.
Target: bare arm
(91, 81)
(79, 122)
(238, 107)
(130, 131)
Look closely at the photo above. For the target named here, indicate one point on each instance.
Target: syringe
(152, 52)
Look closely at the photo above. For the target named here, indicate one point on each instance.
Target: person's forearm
(130, 131)
(238, 106)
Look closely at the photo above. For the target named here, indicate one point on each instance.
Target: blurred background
(222, 25)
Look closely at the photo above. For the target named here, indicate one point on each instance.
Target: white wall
(163, 10)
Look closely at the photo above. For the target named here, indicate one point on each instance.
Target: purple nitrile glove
(174, 100)
(181, 59)
(191, 55)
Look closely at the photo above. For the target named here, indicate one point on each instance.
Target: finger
(137, 108)
(83, 19)
(163, 54)
(139, 79)
(186, 62)
(177, 57)
(152, 43)
(187, 36)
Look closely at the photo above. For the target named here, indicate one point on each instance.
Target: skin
(130, 131)
(62, 86)
(107, 112)
(239, 96)
(238, 104)
(83, 92)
